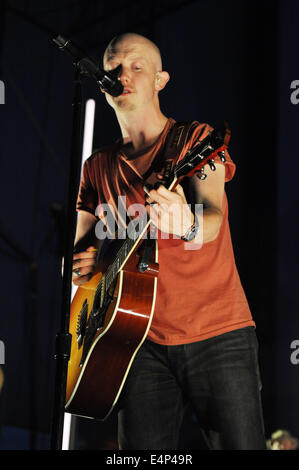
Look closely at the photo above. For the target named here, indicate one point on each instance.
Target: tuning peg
(211, 165)
(201, 175)
(222, 156)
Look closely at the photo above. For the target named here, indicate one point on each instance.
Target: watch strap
(192, 231)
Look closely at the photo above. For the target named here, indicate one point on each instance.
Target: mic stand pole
(63, 338)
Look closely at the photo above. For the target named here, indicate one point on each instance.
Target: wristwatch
(192, 231)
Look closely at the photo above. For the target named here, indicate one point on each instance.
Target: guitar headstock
(204, 152)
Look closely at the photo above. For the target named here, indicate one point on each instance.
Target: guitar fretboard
(135, 231)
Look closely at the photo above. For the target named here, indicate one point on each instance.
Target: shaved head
(123, 43)
(140, 71)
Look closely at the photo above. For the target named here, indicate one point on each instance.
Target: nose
(124, 75)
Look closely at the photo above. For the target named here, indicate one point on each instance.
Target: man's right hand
(84, 264)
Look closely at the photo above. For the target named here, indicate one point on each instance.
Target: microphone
(107, 80)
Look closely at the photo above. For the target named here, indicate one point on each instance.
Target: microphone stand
(63, 337)
(109, 81)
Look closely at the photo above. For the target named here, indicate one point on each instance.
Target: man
(201, 347)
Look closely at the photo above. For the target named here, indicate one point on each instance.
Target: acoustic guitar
(111, 314)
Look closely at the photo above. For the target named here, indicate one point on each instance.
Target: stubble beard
(124, 105)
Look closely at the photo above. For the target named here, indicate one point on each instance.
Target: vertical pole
(69, 429)
(63, 338)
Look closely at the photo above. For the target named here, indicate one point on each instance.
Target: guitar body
(93, 387)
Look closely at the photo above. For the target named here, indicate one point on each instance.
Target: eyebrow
(132, 55)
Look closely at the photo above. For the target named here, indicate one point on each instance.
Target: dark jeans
(218, 376)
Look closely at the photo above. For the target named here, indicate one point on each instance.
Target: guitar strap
(176, 141)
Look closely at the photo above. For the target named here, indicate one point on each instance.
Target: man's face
(139, 68)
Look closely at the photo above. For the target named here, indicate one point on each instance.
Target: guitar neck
(135, 232)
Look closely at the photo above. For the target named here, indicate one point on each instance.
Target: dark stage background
(227, 60)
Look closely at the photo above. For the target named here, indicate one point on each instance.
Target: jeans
(218, 376)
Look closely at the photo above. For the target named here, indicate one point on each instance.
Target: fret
(125, 249)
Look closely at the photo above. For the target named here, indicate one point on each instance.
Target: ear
(161, 79)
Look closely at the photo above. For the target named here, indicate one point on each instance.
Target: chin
(124, 105)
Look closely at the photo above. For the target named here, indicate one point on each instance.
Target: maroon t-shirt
(199, 293)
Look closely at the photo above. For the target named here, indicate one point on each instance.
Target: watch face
(191, 234)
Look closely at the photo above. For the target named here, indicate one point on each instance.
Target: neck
(141, 129)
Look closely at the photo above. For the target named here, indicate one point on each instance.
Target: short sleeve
(201, 132)
(87, 195)
(230, 166)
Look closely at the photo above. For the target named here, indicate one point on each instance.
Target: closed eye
(136, 65)
(111, 69)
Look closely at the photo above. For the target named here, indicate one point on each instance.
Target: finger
(162, 191)
(170, 197)
(156, 196)
(159, 213)
(78, 281)
(179, 190)
(83, 262)
(92, 249)
(82, 271)
(84, 255)
(153, 215)
(80, 263)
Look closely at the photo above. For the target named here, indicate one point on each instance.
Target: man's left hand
(169, 210)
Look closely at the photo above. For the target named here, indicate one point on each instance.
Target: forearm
(85, 232)
(209, 225)
(86, 248)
